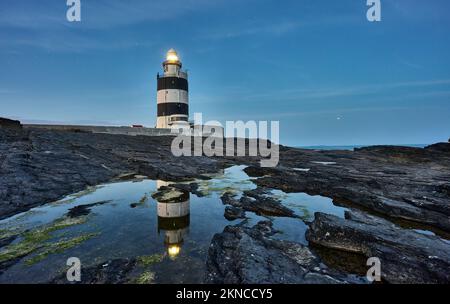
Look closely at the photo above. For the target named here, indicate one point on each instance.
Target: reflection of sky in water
(304, 205)
(124, 232)
(234, 180)
(430, 233)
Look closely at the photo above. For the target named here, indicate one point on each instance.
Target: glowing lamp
(173, 250)
(172, 56)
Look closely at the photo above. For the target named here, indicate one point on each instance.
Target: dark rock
(444, 189)
(234, 213)
(406, 256)
(10, 124)
(110, 272)
(169, 194)
(191, 187)
(440, 147)
(229, 199)
(242, 255)
(265, 207)
(261, 171)
(262, 203)
(83, 210)
(258, 202)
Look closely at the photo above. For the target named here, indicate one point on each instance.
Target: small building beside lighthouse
(173, 94)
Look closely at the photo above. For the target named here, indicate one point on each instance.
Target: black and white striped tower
(173, 97)
(173, 220)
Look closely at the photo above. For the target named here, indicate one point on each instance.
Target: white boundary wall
(107, 130)
(119, 130)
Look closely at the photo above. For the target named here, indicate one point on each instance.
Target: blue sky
(318, 66)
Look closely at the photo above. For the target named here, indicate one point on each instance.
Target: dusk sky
(319, 67)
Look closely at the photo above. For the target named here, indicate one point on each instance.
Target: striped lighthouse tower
(172, 98)
(173, 220)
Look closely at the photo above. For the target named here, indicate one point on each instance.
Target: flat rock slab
(242, 255)
(406, 256)
(259, 202)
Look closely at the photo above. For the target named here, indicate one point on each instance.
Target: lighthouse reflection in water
(173, 219)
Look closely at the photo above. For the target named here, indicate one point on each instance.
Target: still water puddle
(124, 221)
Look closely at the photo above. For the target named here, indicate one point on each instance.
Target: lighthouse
(173, 220)
(172, 96)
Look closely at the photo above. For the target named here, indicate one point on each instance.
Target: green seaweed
(207, 188)
(149, 260)
(59, 247)
(166, 196)
(37, 239)
(306, 214)
(7, 233)
(281, 196)
(147, 277)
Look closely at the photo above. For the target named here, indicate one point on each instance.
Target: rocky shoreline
(407, 256)
(400, 183)
(392, 192)
(243, 255)
(41, 166)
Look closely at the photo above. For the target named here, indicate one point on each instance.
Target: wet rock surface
(83, 210)
(110, 272)
(191, 187)
(259, 202)
(41, 166)
(400, 183)
(406, 256)
(243, 255)
(234, 213)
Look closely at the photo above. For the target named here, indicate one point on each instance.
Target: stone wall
(119, 130)
(107, 130)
